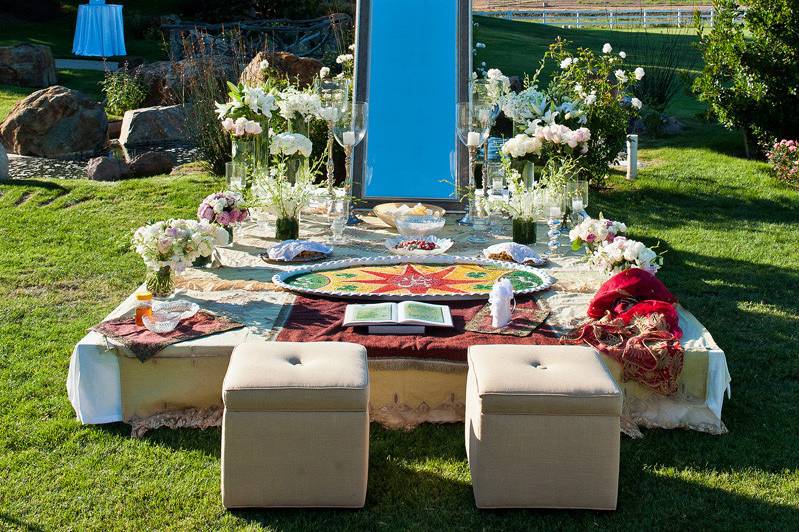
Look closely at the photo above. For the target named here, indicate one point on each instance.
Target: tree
(750, 78)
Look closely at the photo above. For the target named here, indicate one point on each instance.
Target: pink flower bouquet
(223, 208)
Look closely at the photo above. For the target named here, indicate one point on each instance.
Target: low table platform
(182, 385)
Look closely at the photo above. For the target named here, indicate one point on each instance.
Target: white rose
(639, 73)
(635, 102)
(607, 48)
(566, 63)
(621, 75)
(324, 72)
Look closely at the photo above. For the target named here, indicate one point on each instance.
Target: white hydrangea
(294, 103)
(289, 144)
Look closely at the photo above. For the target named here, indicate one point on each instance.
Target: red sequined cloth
(632, 319)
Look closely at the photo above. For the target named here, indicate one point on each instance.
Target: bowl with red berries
(428, 245)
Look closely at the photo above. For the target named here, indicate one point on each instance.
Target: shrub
(123, 91)
(612, 108)
(751, 75)
(784, 159)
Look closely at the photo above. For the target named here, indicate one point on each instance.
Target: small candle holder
(352, 219)
(471, 209)
(554, 223)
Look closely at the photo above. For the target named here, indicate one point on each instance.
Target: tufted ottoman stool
(295, 431)
(542, 427)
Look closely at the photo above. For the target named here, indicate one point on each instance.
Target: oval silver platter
(282, 279)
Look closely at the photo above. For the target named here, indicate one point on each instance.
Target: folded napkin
(289, 249)
(520, 253)
(145, 344)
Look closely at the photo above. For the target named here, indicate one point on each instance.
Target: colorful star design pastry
(414, 281)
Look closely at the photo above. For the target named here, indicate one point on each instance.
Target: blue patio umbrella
(99, 31)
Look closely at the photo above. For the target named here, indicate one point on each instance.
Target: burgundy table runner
(316, 319)
(145, 344)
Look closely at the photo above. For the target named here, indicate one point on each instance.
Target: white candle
(473, 139)
(577, 204)
(554, 212)
(348, 138)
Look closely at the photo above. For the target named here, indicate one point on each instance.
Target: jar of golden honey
(144, 306)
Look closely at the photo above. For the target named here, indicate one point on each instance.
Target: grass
(730, 233)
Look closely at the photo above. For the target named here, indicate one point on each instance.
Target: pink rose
(590, 237)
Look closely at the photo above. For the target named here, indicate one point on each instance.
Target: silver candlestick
(331, 166)
(352, 218)
(471, 209)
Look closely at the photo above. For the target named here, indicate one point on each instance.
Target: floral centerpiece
(171, 246)
(592, 233)
(246, 117)
(223, 208)
(286, 192)
(523, 206)
(622, 253)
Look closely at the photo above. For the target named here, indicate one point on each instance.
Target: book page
(424, 313)
(376, 313)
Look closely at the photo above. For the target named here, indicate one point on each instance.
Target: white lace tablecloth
(241, 289)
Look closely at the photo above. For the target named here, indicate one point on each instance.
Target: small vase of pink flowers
(226, 209)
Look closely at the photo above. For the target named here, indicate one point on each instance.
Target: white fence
(609, 18)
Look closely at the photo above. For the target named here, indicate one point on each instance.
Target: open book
(404, 313)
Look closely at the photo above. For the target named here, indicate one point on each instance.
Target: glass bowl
(419, 225)
(186, 309)
(161, 322)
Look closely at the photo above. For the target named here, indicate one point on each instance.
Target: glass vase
(287, 228)
(161, 283)
(253, 153)
(524, 230)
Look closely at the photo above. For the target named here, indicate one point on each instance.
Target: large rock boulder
(3, 163)
(55, 122)
(106, 169)
(154, 125)
(303, 69)
(152, 163)
(27, 65)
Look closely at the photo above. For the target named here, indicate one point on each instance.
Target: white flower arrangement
(556, 136)
(177, 243)
(295, 103)
(526, 105)
(622, 254)
(282, 197)
(345, 58)
(242, 127)
(592, 232)
(288, 144)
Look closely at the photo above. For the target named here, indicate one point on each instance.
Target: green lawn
(730, 231)
(729, 228)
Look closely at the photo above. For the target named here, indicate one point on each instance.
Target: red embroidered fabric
(642, 335)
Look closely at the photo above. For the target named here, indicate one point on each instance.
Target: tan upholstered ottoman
(296, 426)
(542, 427)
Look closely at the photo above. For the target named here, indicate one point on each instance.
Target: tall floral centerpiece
(524, 206)
(226, 209)
(286, 193)
(171, 246)
(246, 117)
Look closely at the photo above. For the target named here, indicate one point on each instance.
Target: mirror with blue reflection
(411, 149)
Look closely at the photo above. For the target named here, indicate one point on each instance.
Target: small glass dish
(161, 322)
(419, 225)
(186, 309)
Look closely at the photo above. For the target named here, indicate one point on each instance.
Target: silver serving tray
(279, 279)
